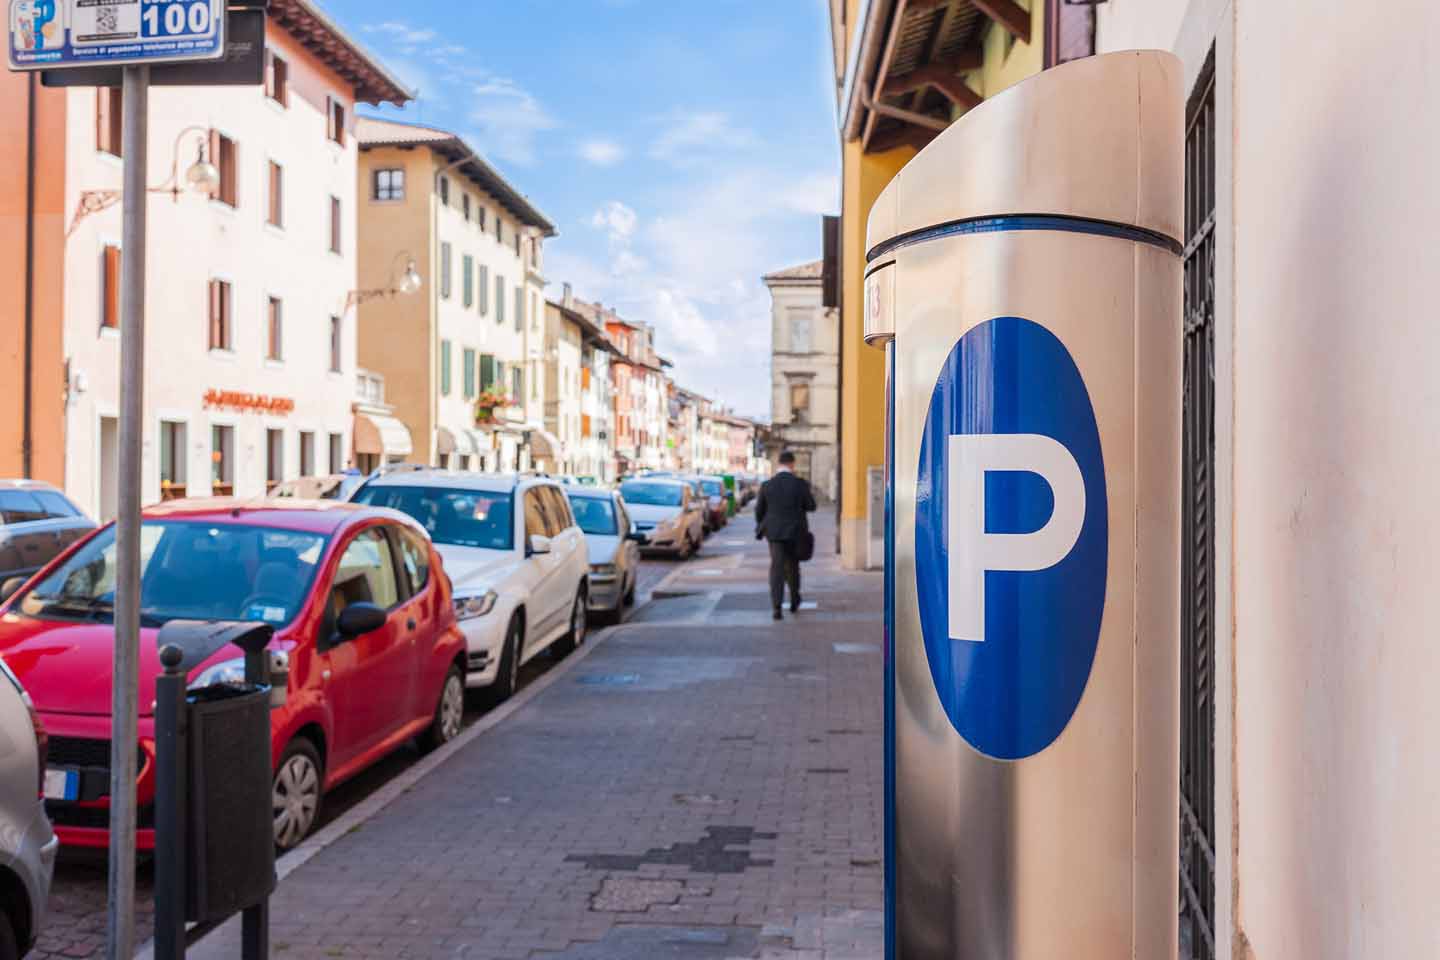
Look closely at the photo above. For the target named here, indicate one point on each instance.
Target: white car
(668, 512)
(514, 554)
(612, 541)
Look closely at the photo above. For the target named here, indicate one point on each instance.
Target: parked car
(717, 504)
(358, 598)
(613, 546)
(515, 555)
(27, 843)
(37, 523)
(667, 512)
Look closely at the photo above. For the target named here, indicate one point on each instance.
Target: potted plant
(487, 403)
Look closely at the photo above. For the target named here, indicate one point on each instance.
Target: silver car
(37, 523)
(614, 547)
(27, 843)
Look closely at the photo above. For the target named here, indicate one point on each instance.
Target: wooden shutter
(102, 121)
(330, 118)
(110, 294)
(277, 204)
(334, 224)
(214, 314)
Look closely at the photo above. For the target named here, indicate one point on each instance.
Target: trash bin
(230, 863)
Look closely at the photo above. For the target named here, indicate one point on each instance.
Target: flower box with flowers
(487, 403)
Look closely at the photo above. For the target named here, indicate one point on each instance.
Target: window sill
(272, 364)
(109, 333)
(220, 353)
(221, 206)
(275, 229)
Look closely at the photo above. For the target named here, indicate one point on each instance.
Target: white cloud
(699, 133)
(618, 220)
(602, 153)
(507, 119)
(403, 32)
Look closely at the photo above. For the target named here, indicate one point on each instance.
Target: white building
(250, 347)
(805, 374)
(583, 415)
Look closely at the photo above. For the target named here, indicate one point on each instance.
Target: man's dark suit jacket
(780, 510)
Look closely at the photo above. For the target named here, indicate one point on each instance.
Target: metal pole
(120, 922)
(27, 444)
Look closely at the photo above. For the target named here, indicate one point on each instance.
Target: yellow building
(904, 71)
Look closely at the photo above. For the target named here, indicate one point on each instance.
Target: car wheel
(9, 947)
(296, 792)
(507, 676)
(449, 712)
(576, 635)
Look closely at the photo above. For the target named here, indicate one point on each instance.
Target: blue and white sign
(52, 34)
(1011, 537)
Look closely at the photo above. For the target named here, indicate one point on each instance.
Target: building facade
(463, 358)
(805, 374)
(642, 405)
(252, 350)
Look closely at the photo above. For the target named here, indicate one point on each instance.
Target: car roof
(670, 481)
(19, 484)
(459, 480)
(324, 517)
(594, 493)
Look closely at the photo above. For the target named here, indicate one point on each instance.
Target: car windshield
(594, 514)
(188, 571)
(713, 488)
(650, 494)
(460, 518)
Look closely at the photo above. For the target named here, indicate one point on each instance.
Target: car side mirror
(636, 535)
(11, 587)
(359, 619)
(539, 544)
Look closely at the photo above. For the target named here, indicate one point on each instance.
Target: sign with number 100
(53, 34)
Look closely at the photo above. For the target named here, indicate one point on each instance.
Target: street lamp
(403, 280)
(202, 176)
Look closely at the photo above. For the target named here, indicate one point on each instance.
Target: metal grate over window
(1197, 598)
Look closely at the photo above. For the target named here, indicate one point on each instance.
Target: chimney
(567, 297)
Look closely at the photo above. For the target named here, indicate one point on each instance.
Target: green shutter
(487, 371)
(468, 278)
(445, 368)
(469, 374)
(484, 287)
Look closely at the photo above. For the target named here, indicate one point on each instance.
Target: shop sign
(248, 402)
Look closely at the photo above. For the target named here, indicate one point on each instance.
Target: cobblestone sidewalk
(705, 784)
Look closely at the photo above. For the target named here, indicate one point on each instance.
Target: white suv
(514, 553)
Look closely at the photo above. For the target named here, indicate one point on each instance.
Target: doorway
(109, 468)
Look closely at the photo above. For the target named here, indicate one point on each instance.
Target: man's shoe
(795, 605)
(778, 615)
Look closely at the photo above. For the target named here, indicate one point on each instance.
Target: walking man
(780, 517)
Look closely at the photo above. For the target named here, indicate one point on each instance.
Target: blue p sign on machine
(1024, 277)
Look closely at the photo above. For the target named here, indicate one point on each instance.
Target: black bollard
(170, 756)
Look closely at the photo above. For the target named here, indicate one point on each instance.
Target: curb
(402, 782)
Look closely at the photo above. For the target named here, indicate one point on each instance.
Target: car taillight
(42, 746)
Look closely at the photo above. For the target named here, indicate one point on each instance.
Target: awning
(544, 444)
(461, 442)
(381, 435)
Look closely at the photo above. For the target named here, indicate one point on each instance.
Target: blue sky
(682, 147)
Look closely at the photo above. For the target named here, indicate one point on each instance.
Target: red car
(362, 682)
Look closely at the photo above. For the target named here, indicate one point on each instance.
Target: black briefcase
(805, 546)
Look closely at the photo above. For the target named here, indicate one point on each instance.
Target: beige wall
(1326, 452)
(196, 239)
(815, 363)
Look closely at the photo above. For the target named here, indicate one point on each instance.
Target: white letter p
(972, 551)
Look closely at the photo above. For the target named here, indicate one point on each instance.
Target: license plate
(62, 785)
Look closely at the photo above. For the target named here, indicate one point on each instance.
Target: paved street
(700, 783)
(75, 925)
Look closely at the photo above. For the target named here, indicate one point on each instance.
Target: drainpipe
(27, 435)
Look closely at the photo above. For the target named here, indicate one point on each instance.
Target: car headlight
(228, 671)
(468, 608)
(602, 571)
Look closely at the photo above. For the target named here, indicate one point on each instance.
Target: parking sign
(53, 34)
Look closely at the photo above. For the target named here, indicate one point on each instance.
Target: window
(487, 372)
(307, 453)
(277, 79)
(366, 574)
(517, 244)
(274, 333)
(274, 457)
(467, 279)
(499, 229)
(445, 191)
(20, 506)
(469, 358)
(799, 400)
(335, 224)
(389, 185)
(222, 461)
(534, 312)
(484, 284)
(481, 218)
(519, 308)
(415, 557)
(224, 154)
(463, 518)
(172, 460)
(54, 504)
(800, 331)
(445, 270)
(517, 382)
(110, 286)
(337, 452)
(537, 524)
(335, 121)
(334, 344)
(557, 511)
(499, 299)
(465, 206)
(584, 425)
(108, 121)
(221, 312)
(534, 382)
(444, 368)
